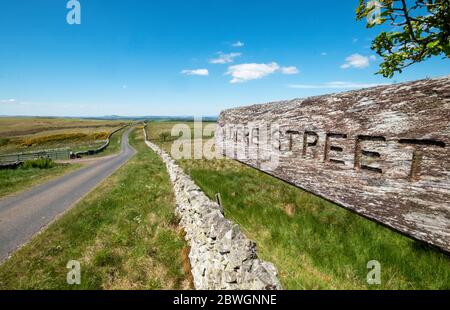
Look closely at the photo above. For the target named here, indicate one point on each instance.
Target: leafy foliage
(164, 136)
(41, 163)
(421, 29)
(4, 141)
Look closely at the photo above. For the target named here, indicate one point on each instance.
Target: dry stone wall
(221, 256)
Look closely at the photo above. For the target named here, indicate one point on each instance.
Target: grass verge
(22, 178)
(114, 144)
(124, 235)
(314, 244)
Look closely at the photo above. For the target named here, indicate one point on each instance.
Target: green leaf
(412, 43)
(433, 44)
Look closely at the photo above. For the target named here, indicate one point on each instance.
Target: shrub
(4, 141)
(54, 138)
(100, 136)
(164, 136)
(41, 163)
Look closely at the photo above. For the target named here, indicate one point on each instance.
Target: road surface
(24, 215)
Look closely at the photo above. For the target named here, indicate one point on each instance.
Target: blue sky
(197, 57)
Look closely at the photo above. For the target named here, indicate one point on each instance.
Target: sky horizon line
(145, 115)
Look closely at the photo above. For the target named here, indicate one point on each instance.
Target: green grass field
(124, 234)
(34, 134)
(314, 244)
(13, 181)
(19, 126)
(16, 180)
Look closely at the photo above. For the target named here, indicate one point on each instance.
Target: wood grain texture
(382, 152)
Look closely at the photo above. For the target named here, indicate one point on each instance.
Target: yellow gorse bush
(62, 138)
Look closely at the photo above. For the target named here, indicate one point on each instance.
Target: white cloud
(357, 61)
(251, 71)
(238, 44)
(335, 85)
(289, 70)
(324, 54)
(202, 72)
(224, 58)
(8, 101)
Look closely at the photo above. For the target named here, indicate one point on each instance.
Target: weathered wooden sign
(382, 152)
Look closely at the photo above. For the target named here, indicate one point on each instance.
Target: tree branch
(408, 21)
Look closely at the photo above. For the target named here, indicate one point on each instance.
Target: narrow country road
(24, 215)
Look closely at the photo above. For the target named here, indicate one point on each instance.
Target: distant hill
(154, 118)
(118, 117)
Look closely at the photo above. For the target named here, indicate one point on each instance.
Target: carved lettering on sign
(359, 152)
(381, 152)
